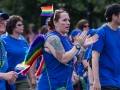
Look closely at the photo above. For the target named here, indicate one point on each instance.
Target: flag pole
(52, 8)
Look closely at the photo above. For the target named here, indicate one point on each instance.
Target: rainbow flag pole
(47, 10)
(21, 67)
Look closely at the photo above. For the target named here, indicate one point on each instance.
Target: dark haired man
(106, 52)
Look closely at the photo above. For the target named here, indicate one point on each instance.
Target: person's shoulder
(101, 30)
(91, 32)
(22, 37)
(51, 35)
(119, 28)
(4, 36)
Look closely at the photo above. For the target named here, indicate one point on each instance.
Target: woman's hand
(75, 78)
(80, 39)
(10, 77)
(91, 87)
(90, 40)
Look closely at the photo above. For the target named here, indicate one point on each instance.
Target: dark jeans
(109, 88)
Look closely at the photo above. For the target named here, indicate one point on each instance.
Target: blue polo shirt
(108, 45)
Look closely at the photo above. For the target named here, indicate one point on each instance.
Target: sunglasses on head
(19, 24)
(57, 11)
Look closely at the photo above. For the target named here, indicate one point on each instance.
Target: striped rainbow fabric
(40, 67)
(34, 52)
(20, 67)
(47, 10)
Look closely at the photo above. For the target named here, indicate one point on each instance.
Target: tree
(93, 10)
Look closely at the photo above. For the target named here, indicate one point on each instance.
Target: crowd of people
(87, 59)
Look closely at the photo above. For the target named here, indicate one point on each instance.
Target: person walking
(106, 52)
(10, 76)
(58, 53)
(16, 48)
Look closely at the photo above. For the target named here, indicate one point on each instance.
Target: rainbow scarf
(47, 10)
(34, 52)
(40, 67)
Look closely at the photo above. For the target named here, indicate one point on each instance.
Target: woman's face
(86, 27)
(2, 25)
(19, 28)
(63, 23)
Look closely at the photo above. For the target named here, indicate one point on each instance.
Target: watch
(78, 46)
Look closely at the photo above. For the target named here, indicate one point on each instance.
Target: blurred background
(29, 10)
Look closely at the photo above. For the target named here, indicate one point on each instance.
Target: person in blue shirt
(11, 76)
(106, 52)
(16, 47)
(83, 25)
(58, 53)
(87, 55)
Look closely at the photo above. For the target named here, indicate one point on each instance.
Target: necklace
(2, 55)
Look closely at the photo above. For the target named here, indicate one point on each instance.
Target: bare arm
(90, 74)
(2, 75)
(90, 77)
(54, 46)
(31, 75)
(95, 67)
(85, 63)
(81, 56)
(95, 57)
(9, 76)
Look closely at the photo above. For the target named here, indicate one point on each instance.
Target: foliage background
(93, 10)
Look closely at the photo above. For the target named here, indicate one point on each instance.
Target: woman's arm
(81, 56)
(9, 76)
(85, 63)
(54, 45)
(31, 75)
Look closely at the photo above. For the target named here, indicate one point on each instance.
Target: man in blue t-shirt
(106, 52)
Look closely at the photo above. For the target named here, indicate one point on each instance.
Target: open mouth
(2, 25)
(67, 27)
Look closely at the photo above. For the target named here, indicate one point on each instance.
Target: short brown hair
(81, 23)
(11, 23)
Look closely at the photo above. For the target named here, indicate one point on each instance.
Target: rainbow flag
(34, 52)
(40, 67)
(20, 67)
(47, 10)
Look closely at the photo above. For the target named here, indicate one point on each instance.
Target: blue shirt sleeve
(98, 46)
